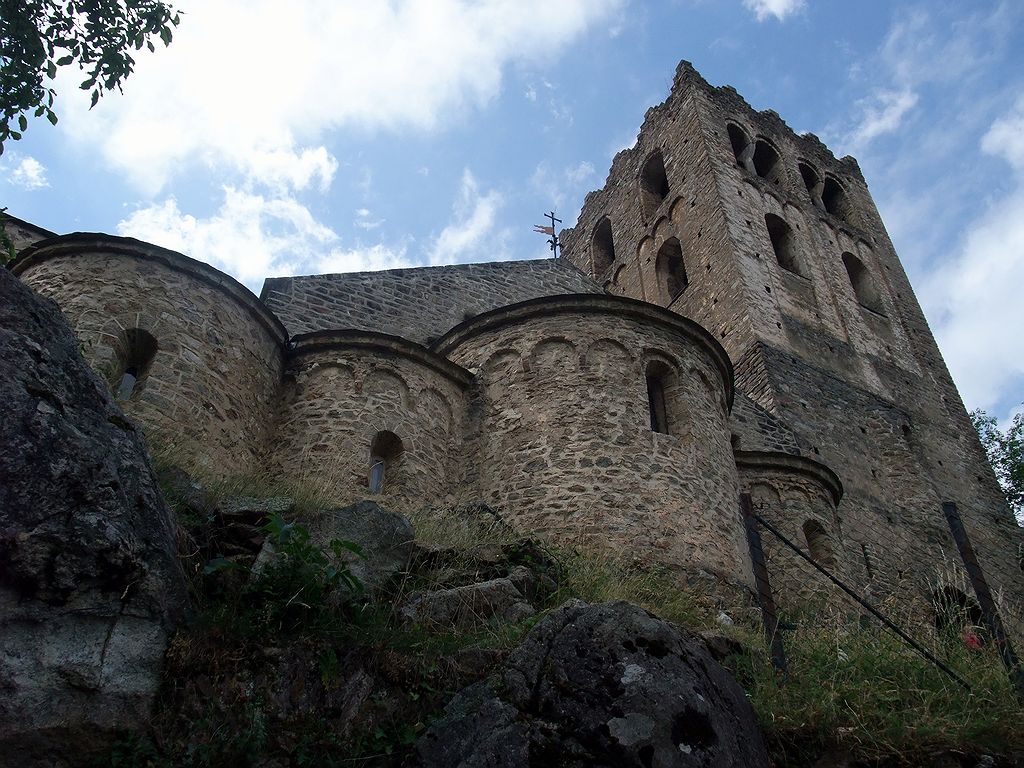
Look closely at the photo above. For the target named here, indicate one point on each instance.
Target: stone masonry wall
(795, 495)
(341, 390)
(416, 304)
(566, 446)
(209, 391)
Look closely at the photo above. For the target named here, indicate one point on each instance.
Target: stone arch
(553, 356)
(766, 161)
(812, 182)
(607, 354)
(386, 454)
(766, 498)
(819, 544)
(784, 244)
(654, 187)
(433, 402)
(834, 199)
(863, 283)
(326, 377)
(742, 149)
(663, 388)
(134, 352)
(713, 390)
(670, 269)
(602, 247)
(504, 361)
(662, 228)
(383, 385)
(677, 210)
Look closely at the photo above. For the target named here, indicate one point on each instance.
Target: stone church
(728, 315)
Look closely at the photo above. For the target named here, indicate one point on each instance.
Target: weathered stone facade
(591, 397)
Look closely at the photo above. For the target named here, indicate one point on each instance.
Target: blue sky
(329, 135)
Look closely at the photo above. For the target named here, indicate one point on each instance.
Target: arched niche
(654, 186)
(602, 247)
(784, 244)
(863, 284)
(671, 270)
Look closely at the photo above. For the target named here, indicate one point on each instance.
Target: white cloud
(1005, 138)
(29, 174)
(881, 113)
(565, 188)
(976, 295)
(360, 259)
(250, 236)
(780, 9)
(472, 235)
(363, 220)
(284, 169)
(247, 85)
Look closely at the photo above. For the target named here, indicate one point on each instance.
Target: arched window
(766, 161)
(813, 183)
(818, 544)
(385, 451)
(863, 284)
(658, 393)
(741, 147)
(671, 270)
(653, 184)
(602, 247)
(136, 350)
(833, 199)
(783, 243)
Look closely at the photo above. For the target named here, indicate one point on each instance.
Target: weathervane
(550, 230)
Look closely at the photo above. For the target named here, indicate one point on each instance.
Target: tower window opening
(783, 243)
(864, 287)
(385, 451)
(833, 199)
(813, 183)
(671, 270)
(602, 247)
(137, 348)
(653, 184)
(741, 147)
(766, 161)
(658, 375)
(818, 544)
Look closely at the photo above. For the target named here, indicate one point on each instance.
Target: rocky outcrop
(604, 685)
(386, 540)
(90, 584)
(470, 607)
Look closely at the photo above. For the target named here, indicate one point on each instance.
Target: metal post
(989, 614)
(765, 598)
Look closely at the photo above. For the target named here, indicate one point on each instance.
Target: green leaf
(51, 117)
(23, 122)
(95, 98)
(65, 60)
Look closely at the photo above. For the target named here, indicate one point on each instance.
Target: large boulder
(468, 608)
(386, 540)
(604, 685)
(90, 585)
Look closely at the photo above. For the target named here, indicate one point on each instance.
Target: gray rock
(469, 607)
(252, 508)
(604, 685)
(90, 584)
(386, 538)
